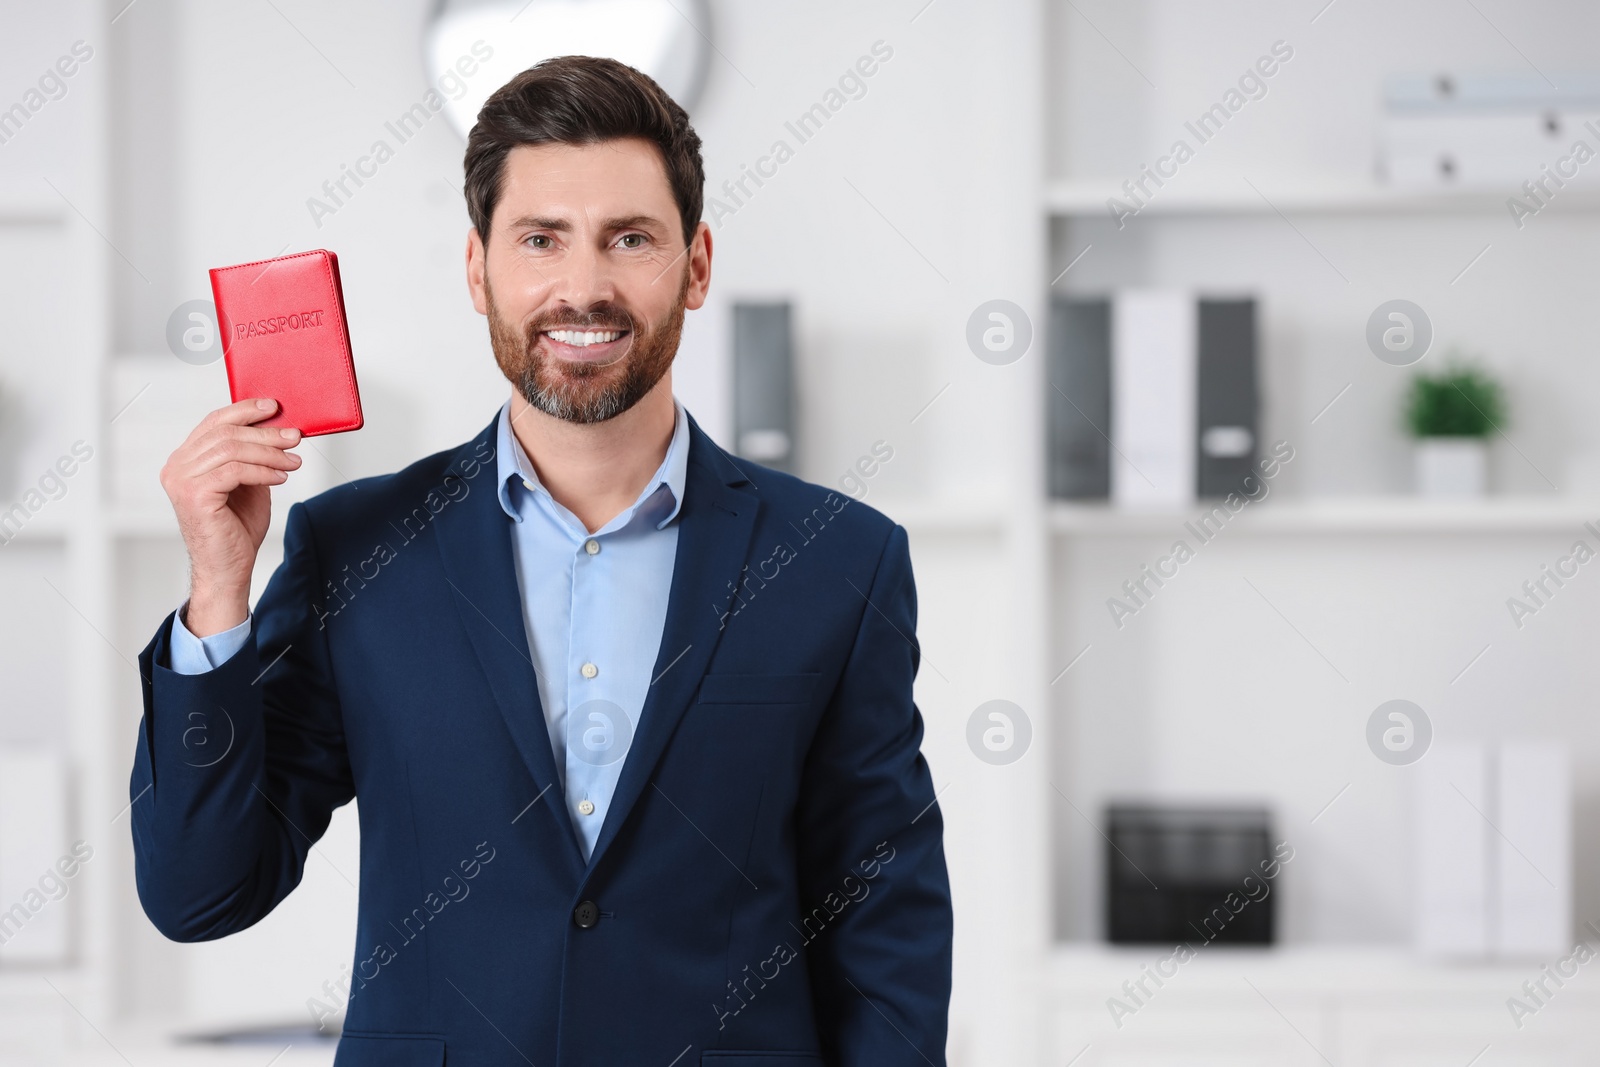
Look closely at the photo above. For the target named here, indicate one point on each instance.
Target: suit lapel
(474, 537)
(715, 524)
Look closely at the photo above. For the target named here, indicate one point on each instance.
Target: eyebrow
(536, 222)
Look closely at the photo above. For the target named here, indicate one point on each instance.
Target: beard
(586, 392)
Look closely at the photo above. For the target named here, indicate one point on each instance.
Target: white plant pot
(1452, 466)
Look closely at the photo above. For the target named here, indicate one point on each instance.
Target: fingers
(226, 441)
(201, 484)
(226, 477)
(235, 422)
(236, 451)
(274, 436)
(243, 413)
(232, 424)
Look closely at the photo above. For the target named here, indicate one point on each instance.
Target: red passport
(284, 337)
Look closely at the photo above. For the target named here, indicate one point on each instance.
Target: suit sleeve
(870, 833)
(237, 770)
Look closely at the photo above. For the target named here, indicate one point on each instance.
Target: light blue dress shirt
(593, 604)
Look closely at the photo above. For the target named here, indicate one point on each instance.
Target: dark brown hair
(581, 100)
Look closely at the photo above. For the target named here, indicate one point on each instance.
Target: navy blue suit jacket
(769, 886)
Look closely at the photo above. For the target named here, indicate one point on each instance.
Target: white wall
(880, 332)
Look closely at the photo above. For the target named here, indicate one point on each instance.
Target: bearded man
(630, 720)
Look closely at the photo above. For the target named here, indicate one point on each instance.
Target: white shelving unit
(1352, 515)
(1072, 199)
(1357, 1007)
(1222, 688)
(1326, 515)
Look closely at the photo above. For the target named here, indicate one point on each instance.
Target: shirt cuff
(197, 655)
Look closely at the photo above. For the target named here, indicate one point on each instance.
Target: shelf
(958, 516)
(26, 981)
(1353, 514)
(1077, 199)
(30, 203)
(42, 529)
(143, 520)
(151, 1042)
(1374, 515)
(1344, 971)
(1289, 1004)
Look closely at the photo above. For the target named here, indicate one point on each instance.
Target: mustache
(599, 317)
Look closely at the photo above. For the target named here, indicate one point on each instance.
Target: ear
(699, 268)
(477, 264)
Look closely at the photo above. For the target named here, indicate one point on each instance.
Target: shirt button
(589, 670)
(585, 807)
(592, 547)
(527, 484)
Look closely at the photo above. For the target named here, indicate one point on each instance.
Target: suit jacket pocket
(757, 688)
(389, 1050)
(726, 1058)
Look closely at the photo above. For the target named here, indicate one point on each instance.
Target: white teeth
(581, 338)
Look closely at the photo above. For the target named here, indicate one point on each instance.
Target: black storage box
(1171, 870)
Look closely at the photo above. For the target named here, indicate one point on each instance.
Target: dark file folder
(1227, 424)
(1079, 398)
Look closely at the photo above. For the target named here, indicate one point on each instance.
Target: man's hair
(581, 100)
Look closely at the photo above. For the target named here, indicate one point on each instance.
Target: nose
(584, 278)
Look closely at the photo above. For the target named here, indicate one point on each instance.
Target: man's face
(586, 277)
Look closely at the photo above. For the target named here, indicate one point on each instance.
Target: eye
(540, 241)
(631, 240)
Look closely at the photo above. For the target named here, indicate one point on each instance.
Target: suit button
(586, 915)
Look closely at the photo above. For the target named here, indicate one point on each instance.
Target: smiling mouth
(584, 345)
(584, 338)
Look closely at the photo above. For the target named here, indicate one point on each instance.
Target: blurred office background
(961, 297)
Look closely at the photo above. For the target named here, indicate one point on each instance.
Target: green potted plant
(1450, 415)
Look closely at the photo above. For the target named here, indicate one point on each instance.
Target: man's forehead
(632, 166)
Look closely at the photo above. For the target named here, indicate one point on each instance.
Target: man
(630, 720)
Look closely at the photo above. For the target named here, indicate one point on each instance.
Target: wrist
(211, 609)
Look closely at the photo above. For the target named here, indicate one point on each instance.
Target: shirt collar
(516, 473)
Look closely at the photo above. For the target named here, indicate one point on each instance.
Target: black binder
(1228, 422)
(763, 384)
(1078, 398)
